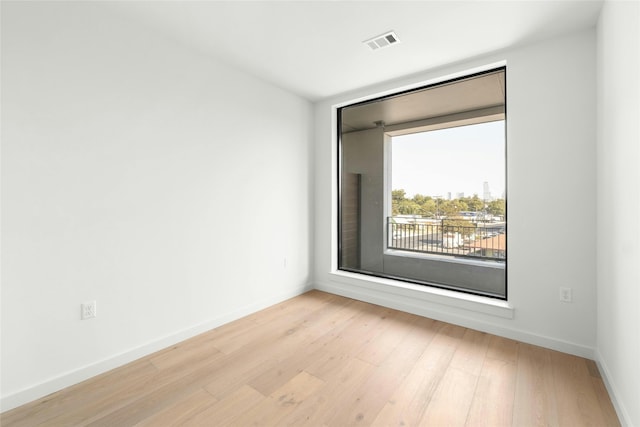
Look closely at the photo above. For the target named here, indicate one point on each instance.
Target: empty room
(320, 213)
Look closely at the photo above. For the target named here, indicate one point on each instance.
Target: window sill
(425, 294)
(445, 258)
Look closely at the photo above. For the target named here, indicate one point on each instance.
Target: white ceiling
(314, 48)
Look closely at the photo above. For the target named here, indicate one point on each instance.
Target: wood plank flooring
(324, 360)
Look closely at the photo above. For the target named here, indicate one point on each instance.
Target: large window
(423, 185)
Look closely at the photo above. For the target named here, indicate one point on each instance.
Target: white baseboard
(67, 379)
(621, 410)
(462, 315)
(443, 313)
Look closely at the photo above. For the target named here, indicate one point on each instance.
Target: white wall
(551, 115)
(618, 149)
(167, 186)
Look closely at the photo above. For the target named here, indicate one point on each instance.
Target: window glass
(423, 186)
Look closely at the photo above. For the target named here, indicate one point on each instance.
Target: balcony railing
(486, 241)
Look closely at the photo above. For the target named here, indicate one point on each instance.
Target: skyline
(453, 160)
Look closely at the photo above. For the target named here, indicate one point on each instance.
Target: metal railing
(443, 238)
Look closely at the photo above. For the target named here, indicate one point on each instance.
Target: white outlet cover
(566, 294)
(88, 310)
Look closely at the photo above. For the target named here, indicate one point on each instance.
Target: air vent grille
(385, 40)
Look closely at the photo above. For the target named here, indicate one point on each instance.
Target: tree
(462, 205)
(408, 207)
(464, 227)
(448, 207)
(428, 207)
(398, 195)
(474, 203)
(497, 207)
(420, 199)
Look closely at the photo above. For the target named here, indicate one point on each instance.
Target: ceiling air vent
(387, 39)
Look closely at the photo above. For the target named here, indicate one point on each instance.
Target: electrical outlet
(566, 294)
(88, 310)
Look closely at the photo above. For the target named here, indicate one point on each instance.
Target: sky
(456, 160)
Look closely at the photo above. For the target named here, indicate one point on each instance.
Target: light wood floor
(323, 360)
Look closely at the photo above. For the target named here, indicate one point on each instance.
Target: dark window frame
(339, 171)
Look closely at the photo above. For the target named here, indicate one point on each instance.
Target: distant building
(452, 240)
(492, 247)
(486, 192)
